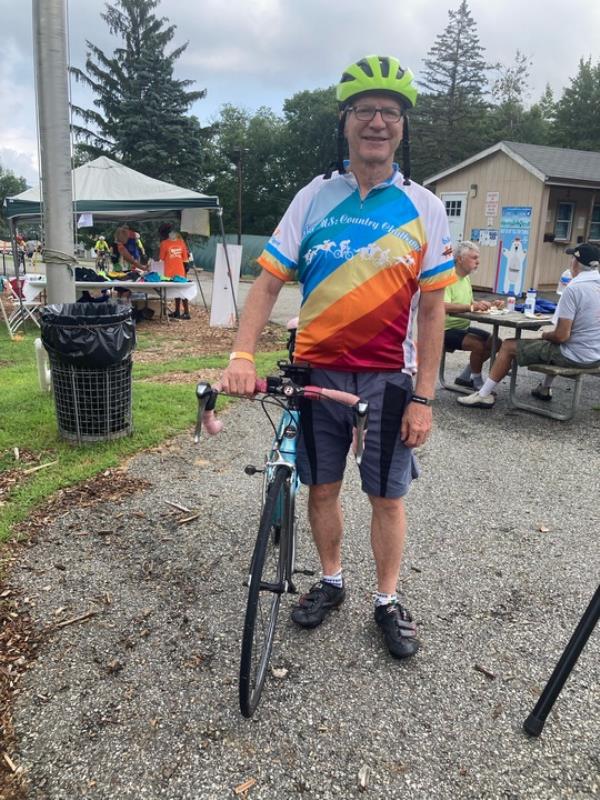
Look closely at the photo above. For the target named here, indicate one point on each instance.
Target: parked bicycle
(272, 566)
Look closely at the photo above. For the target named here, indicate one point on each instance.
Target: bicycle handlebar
(207, 398)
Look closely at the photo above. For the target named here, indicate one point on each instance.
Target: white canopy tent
(108, 190)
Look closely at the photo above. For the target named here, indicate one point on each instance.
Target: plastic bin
(89, 347)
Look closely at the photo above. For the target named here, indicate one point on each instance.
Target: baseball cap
(586, 253)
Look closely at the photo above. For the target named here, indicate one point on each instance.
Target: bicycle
(272, 567)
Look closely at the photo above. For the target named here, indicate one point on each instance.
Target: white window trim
(593, 222)
(566, 238)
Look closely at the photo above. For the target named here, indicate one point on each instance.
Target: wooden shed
(524, 204)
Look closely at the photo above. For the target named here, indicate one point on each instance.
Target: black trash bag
(87, 335)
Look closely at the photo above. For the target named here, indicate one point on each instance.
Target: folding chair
(20, 310)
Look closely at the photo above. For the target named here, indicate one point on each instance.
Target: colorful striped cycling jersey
(362, 264)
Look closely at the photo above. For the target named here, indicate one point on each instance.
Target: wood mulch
(195, 338)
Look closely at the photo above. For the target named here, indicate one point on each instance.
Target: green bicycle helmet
(384, 75)
(377, 74)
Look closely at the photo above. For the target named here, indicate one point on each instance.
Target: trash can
(89, 348)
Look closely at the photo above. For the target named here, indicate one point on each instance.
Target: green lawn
(28, 422)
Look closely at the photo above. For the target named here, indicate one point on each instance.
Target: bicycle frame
(283, 452)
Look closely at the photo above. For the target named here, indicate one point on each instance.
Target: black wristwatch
(418, 398)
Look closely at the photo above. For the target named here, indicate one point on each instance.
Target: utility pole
(238, 156)
(52, 98)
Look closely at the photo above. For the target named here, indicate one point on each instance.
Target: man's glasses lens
(367, 113)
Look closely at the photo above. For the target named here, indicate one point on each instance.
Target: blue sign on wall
(513, 247)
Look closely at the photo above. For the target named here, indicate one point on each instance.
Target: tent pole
(52, 97)
(235, 308)
(15, 250)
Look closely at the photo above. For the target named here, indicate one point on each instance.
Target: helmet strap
(341, 142)
(406, 152)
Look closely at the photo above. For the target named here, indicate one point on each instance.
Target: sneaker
(467, 382)
(399, 631)
(314, 606)
(542, 392)
(174, 315)
(185, 316)
(475, 400)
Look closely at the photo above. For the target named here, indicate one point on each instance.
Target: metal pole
(239, 198)
(52, 96)
(534, 723)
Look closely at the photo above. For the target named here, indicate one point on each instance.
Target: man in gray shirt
(574, 342)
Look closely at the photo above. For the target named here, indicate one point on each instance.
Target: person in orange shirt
(174, 254)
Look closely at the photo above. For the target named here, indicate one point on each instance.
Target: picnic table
(507, 319)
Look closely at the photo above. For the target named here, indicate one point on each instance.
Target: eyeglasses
(367, 113)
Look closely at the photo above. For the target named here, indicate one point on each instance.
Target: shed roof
(548, 164)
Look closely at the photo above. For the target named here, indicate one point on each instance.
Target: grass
(28, 422)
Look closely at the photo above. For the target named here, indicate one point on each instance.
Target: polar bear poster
(515, 259)
(511, 274)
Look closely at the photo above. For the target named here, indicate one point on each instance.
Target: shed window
(595, 224)
(564, 222)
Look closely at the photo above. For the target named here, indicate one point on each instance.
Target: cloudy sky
(259, 52)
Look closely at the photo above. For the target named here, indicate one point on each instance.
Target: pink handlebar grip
(211, 424)
(317, 393)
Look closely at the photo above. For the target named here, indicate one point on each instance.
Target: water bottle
(530, 303)
(564, 281)
(510, 302)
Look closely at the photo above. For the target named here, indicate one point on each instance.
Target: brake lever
(361, 416)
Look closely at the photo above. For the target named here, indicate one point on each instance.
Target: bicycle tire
(271, 555)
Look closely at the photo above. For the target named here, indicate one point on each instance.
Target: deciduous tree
(10, 184)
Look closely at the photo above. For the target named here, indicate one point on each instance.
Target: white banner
(222, 308)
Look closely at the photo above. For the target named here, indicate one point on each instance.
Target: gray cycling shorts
(387, 466)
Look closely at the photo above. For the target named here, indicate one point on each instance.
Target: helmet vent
(400, 73)
(384, 65)
(365, 66)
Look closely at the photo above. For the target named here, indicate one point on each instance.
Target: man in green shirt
(458, 334)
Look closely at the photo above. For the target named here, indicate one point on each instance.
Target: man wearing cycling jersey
(372, 252)
(102, 250)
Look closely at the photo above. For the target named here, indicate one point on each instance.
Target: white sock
(488, 387)
(466, 373)
(548, 381)
(384, 599)
(336, 579)
(477, 380)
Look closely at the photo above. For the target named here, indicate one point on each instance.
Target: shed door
(455, 204)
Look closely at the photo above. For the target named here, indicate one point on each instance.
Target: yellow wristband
(240, 354)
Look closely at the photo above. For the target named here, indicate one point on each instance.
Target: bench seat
(571, 373)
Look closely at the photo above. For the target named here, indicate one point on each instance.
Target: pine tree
(449, 116)
(507, 118)
(547, 105)
(140, 115)
(577, 120)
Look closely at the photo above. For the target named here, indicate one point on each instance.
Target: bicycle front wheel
(266, 583)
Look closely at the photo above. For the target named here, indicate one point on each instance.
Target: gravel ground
(140, 700)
